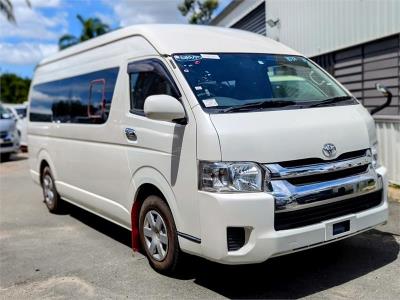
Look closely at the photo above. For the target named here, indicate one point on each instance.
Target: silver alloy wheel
(48, 190)
(155, 235)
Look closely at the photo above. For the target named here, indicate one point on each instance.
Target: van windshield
(228, 82)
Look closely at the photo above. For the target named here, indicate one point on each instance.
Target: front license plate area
(340, 227)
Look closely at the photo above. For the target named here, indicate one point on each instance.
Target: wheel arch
(45, 160)
(148, 181)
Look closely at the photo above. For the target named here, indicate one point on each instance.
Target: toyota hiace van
(210, 141)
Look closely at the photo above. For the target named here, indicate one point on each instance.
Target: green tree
(7, 9)
(198, 11)
(91, 28)
(13, 89)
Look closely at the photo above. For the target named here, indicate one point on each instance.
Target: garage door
(254, 21)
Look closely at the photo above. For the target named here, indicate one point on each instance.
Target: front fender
(149, 175)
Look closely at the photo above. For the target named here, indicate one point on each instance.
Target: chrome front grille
(316, 214)
(297, 187)
(279, 172)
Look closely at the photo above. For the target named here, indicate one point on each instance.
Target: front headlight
(374, 152)
(230, 177)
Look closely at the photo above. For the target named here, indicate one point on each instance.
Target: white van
(211, 141)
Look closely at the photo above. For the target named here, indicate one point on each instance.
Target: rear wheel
(158, 235)
(51, 197)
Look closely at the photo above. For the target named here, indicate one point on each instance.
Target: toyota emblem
(329, 150)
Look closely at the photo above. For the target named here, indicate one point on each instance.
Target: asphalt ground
(77, 255)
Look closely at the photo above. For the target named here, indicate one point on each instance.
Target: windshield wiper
(331, 101)
(261, 104)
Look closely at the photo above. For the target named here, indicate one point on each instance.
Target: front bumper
(255, 212)
(9, 146)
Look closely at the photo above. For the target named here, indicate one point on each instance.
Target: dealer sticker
(210, 102)
(187, 57)
(210, 56)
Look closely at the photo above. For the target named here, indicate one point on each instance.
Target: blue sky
(38, 28)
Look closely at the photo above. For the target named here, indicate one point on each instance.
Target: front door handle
(130, 134)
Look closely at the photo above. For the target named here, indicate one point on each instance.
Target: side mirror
(381, 88)
(163, 108)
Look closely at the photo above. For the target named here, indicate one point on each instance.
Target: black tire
(168, 264)
(54, 202)
(5, 157)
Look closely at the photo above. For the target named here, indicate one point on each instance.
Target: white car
(9, 138)
(19, 111)
(210, 141)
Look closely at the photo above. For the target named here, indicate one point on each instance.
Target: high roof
(168, 39)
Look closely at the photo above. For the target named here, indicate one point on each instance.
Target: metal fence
(388, 132)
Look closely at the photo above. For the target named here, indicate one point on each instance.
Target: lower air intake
(235, 238)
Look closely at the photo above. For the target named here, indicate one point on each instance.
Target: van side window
(85, 98)
(147, 78)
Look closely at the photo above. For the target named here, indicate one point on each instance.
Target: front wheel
(158, 235)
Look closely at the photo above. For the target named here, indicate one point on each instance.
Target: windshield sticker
(187, 57)
(210, 56)
(210, 102)
(198, 88)
(260, 62)
(291, 58)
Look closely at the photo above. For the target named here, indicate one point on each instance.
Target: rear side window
(147, 78)
(81, 99)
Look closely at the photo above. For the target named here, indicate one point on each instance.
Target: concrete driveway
(78, 255)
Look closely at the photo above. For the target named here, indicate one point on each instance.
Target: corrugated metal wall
(315, 27)
(359, 68)
(388, 133)
(254, 21)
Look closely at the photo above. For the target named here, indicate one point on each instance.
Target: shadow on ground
(13, 158)
(304, 273)
(292, 276)
(110, 229)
